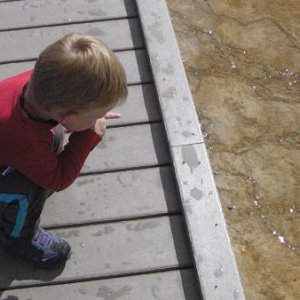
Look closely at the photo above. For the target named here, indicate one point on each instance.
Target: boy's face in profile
(79, 121)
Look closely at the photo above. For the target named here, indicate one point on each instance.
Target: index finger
(112, 115)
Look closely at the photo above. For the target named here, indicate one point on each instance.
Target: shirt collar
(34, 118)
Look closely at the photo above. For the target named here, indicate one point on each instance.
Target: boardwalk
(123, 216)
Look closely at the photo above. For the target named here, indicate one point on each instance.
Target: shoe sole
(56, 265)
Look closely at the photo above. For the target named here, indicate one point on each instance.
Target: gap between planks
(96, 278)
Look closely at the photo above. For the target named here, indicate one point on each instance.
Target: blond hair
(78, 72)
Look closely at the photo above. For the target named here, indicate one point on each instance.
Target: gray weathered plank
(175, 285)
(141, 106)
(135, 63)
(109, 249)
(113, 196)
(43, 12)
(28, 43)
(128, 147)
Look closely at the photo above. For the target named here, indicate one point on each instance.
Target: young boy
(75, 83)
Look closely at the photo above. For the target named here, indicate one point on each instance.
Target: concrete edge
(214, 259)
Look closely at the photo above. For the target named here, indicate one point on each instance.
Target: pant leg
(22, 201)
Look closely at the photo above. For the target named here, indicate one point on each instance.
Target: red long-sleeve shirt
(26, 144)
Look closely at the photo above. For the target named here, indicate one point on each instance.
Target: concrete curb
(213, 256)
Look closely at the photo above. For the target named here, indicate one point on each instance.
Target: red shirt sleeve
(56, 172)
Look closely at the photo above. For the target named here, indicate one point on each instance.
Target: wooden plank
(28, 43)
(108, 250)
(141, 106)
(113, 196)
(129, 147)
(135, 63)
(30, 13)
(175, 285)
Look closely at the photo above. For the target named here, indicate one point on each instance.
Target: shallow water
(242, 58)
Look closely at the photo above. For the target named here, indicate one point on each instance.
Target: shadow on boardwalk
(15, 269)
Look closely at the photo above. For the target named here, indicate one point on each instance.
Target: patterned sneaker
(44, 250)
(49, 250)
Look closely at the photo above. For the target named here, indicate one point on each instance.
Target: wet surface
(242, 58)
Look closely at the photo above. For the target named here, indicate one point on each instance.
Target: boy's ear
(66, 117)
(60, 115)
